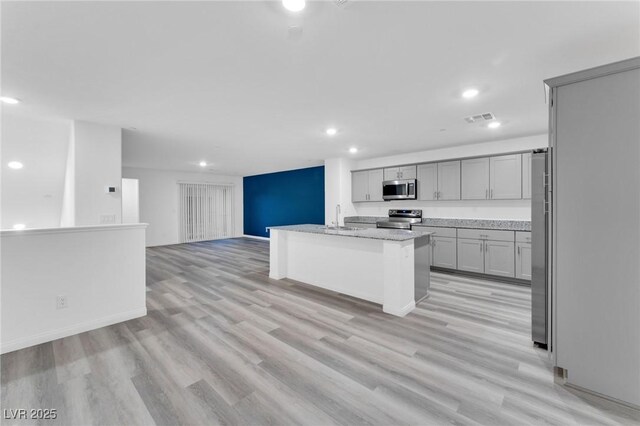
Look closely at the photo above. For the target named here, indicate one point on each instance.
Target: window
(206, 211)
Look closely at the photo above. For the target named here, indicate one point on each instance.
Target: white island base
(378, 270)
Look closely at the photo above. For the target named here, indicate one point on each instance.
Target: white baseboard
(47, 336)
(402, 311)
(256, 237)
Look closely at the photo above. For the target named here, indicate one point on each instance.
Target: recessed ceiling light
(203, 164)
(353, 150)
(494, 124)
(15, 165)
(470, 93)
(294, 5)
(8, 100)
(19, 226)
(331, 131)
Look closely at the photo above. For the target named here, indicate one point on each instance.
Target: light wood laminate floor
(224, 344)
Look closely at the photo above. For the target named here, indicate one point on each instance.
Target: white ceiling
(224, 82)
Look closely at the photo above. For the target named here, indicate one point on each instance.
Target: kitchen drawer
(486, 234)
(523, 237)
(438, 231)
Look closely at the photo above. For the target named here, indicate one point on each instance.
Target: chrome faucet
(337, 215)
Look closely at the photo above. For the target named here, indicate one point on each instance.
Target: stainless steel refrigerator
(540, 247)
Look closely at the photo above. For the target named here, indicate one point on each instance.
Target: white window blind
(206, 211)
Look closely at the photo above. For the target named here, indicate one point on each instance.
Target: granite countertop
(370, 233)
(364, 219)
(497, 224)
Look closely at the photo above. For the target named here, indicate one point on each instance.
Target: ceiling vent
(487, 116)
(340, 2)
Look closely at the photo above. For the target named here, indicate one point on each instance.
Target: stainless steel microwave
(403, 189)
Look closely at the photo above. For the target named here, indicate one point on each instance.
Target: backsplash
(466, 209)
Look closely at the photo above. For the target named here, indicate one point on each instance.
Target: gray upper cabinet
(427, 181)
(448, 181)
(526, 175)
(502, 177)
(366, 185)
(439, 181)
(475, 179)
(375, 185)
(404, 172)
(505, 177)
(360, 186)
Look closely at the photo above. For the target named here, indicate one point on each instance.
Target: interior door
(499, 258)
(375, 185)
(471, 255)
(359, 186)
(449, 180)
(475, 179)
(427, 181)
(506, 177)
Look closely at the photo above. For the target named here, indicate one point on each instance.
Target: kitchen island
(390, 267)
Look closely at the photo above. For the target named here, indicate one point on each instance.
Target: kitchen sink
(341, 228)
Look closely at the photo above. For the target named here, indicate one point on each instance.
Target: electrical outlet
(107, 219)
(61, 302)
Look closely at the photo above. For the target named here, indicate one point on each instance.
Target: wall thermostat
(111, 189)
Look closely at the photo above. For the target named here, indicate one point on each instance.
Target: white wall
(100, 270)
(158, 190)
(98, 164)
(337, 184)
(130, 201)
(68, 210)
(33, 194)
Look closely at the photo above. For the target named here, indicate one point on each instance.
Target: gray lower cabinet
(486, 257)
(492, 252)
(523, 261)
(499, 258)
(471, 255)
(444, 252)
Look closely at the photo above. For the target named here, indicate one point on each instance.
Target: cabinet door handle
(518, 250)
(435, 195)
(481, 243)
(492, 194)
(486, 194)
(486, 247)
(438, 195)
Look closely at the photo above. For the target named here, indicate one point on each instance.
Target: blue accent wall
(284, 198)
